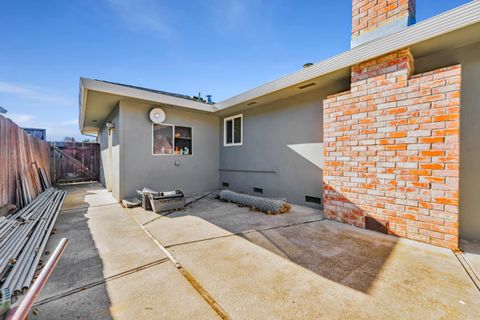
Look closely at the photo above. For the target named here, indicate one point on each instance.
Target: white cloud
(70, 122)
(21, 119)
(143, 14)
(57, 131)
(240, 15)
(34, 93)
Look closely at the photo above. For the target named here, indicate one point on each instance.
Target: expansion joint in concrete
(187, 275)
(100, 282)
(243, 233)
(468, 269)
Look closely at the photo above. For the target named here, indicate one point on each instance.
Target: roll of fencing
(267, 205)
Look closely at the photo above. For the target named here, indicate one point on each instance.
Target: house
(37, 133)
(390, 127)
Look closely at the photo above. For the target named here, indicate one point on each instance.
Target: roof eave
(449, 21)
(110, 88)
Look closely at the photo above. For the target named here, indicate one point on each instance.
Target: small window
(172, 140)
(183, 140)
(233, 130)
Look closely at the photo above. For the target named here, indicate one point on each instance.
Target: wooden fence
(75, 161)
(24, 165)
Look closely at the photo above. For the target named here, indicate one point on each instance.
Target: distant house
(378, 133)
(37, 133)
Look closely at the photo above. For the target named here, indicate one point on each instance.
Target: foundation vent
(225, 184)
(258, 190)
(311, 199)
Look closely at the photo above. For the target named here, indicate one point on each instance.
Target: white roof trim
(449, 21)
(101, 86)
(111, 88)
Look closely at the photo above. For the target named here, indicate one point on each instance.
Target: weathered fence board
(22, 159)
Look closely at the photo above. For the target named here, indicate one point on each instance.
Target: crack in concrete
(244, 233)
(99, 282)
(468, 269)
(87, 207)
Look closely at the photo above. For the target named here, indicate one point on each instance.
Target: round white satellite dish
(157, 115)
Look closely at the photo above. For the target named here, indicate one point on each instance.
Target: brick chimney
(372, 19)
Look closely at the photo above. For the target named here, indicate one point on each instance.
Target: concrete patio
(253, 266)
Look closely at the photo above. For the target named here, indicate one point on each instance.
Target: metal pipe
(27, 279)
(21, 312)
(22, 266)
(25, 238)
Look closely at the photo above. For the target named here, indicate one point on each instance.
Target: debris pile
(267, 205)
(23, 237)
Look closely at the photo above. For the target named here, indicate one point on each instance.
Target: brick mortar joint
(439, 225)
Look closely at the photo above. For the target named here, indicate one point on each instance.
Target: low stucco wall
(139, 167)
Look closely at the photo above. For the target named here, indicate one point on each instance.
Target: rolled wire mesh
(267, 205)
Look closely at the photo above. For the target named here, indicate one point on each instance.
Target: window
(183, 140)
(233, 130)
(172, 140)
(162, 139)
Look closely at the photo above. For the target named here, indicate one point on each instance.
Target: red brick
(399, 156)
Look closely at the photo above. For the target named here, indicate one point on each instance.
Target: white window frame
(232, 144)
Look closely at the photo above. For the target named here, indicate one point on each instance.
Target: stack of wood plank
(24, 166)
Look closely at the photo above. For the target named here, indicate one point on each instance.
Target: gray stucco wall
(469, 57)
(268, 131)
(114, 185)
(195, 173)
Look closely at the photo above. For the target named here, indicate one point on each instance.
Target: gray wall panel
(268, 130)
(196, 173)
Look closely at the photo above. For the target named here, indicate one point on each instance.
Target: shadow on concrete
(350, 256)
(64, 297)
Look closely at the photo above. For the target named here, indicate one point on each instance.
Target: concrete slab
(158, 292)
(403, 279)
(291, 266)
(111, 269)
(174, 231)
(120, 243)
(472, 255)
(236, 219)
(209, 218)
(84, 195)
(144, 216)
(81, 263)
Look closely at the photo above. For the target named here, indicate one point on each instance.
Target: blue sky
(218, 47)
